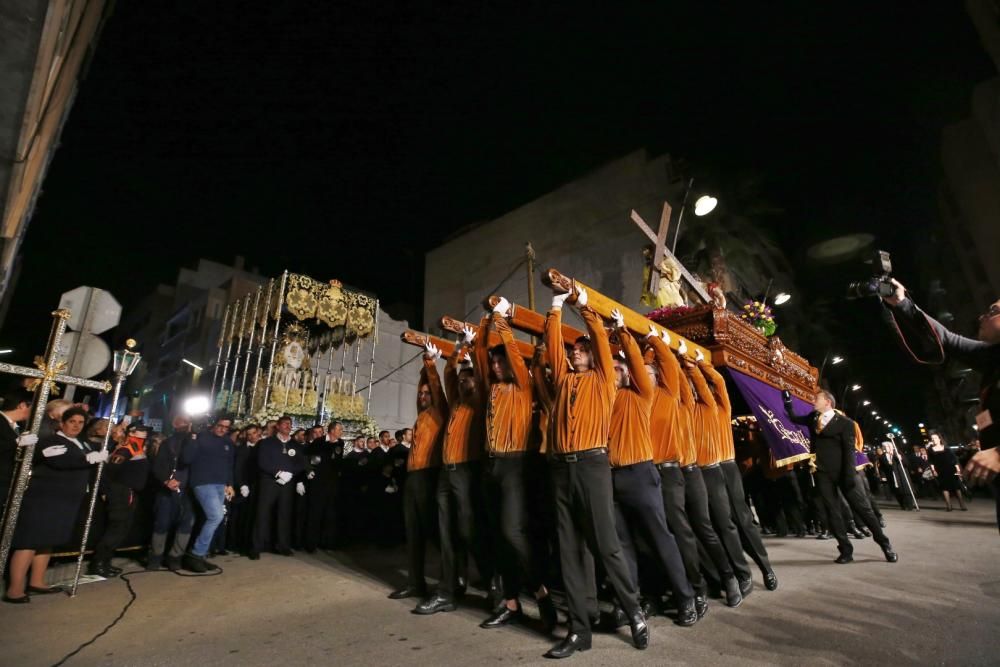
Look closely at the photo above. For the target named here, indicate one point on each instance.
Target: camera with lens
(880, 284)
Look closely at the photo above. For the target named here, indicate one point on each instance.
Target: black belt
(506, 455)
(710, 465)
(573, 457)
(668, 464)
(690, 468)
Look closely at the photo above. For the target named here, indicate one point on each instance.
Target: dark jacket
(325, 459)
(8, 457)
(246, 470)
(275, 456)
(210, 460)
(833, 446)
(167, 463)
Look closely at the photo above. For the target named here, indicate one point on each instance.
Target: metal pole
(371, 370)
(321, 409)
(274, 342)
(120, 377)
(906, 474)
(246, 365)
(357, 364)
(229, 349)
(27, 452)
(218, 358)
(240, 335)
(680, 216)
(260, 346)
(531, 281)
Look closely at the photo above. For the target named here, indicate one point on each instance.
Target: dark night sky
(345, 140)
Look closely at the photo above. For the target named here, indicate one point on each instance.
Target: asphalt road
(940, 604)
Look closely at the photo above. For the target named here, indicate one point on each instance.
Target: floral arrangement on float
(663, 315)
(758, 315)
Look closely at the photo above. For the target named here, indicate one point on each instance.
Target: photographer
(917, 329)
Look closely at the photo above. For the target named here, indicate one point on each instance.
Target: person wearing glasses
(928, 341)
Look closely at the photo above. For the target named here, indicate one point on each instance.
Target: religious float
(296, 347)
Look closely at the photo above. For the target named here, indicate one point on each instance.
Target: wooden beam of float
(454, 325)
(419, 339)
(602, 305)
(528, 321)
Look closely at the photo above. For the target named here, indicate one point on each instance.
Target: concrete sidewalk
(939, 605)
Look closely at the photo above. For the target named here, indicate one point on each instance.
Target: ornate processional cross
(49, 371)
(660, 251)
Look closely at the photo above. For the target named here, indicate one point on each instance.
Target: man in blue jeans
(210, 460)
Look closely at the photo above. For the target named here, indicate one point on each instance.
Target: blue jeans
(212, 498)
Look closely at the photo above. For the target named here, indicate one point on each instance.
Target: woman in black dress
(51, 505)
(946, 470)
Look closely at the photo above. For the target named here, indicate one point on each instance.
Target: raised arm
(802, 420)
(687, 396)
(481, 354)
(451, 374)
(514, 358)
(636, 366)
(930, 334)
(668, 369)
(599, 343)
(543, 388)
(719, 383)
(554, 344)
(430, 375)
(701, 386)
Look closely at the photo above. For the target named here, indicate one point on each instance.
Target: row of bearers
(631, 450)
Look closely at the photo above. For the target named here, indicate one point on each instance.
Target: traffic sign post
(94, 311)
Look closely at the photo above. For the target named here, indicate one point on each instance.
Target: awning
(788, 442)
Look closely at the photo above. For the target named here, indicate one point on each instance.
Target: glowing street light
(855, 387)
(782, 297)
(197, 406)
(705, 205)
(866, 403)
(920, 425)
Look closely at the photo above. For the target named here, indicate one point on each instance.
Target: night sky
(344, 141)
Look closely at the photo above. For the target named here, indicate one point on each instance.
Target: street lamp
(705, 205)
(866, 403)
(197, 406)
(6, 351)
(782, 297)
(833, 362)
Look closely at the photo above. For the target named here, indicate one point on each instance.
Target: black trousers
(419, 512)
(121, 508)
(672, 488)
(242, 519)
(274, 496)
(871, 496)
(639, 509)
(855, 495)
(461, 519)
(749, 534)
(321, 514)
(508, 485)
(585, 519)
(720, 509)
(790, 496)
(700, 516)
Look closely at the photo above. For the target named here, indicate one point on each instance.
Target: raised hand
(469, 335)
(502, 308)
(618, 318)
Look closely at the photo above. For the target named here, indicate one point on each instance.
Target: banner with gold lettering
(789, 442)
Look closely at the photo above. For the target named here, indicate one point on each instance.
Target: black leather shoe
(501, 618)
(406, 592)
(494, 598)
(824, 536)
(616, 618)
(154, 563)
(649, 609)
(433, 605)
(733, 596)
(843, 559)
(24, 599)
(640, 631)
(547, 612)
(461, 587)
(746, 587)
(102, 569)
(687, 614)
(701, 606)
(210, 566)
(253, 555)
(864, 531)
(771, 580)
(569, 646)
(890, 555)
(195, 564)
(857, 534)
(173, 563)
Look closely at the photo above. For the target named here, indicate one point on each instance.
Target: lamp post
(125, 362)
(833, 362)
(704, 205)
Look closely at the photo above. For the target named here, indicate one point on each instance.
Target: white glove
(558, 300)
(391, 489)
(581, 297)
(245, 491)
(665, 336)
(682, 347)
(468, 335)
(300, 489)
(315, 460)
(652, 332)
(97, 457)
(619, 319)
(431, 351)
(283, 477)
(311, 475)
(698, 356)
(502, 308)
(26, 439)
(55, 450)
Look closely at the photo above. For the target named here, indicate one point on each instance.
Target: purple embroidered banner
(788, 442)
(861, 459)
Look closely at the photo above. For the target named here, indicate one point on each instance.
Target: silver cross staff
(125, 362)
(49, 372)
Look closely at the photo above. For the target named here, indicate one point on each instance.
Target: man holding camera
(832, 436)
(934, 342)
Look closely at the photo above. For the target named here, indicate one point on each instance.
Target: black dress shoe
(47, 590)
(461, 587)
(687, 614)
(569, 646)
(864, 531)
(649, 609)
(640, 631)
(173, 563)
(406, 592)
(611, 621)
(843, 559)
(824, 536)
(746, 587)
(501, 618)
(24, 599)
(253, 555)
(211, 567)
(771, 580)
(494, 598)
(890, 555)
(701, 605)
(434, 604)
(547, 612)
(195, 564)
(733, 596)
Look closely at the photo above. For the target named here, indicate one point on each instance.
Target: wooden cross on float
(660, 251)
(49, 371)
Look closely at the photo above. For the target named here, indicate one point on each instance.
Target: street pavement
(940, 604)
